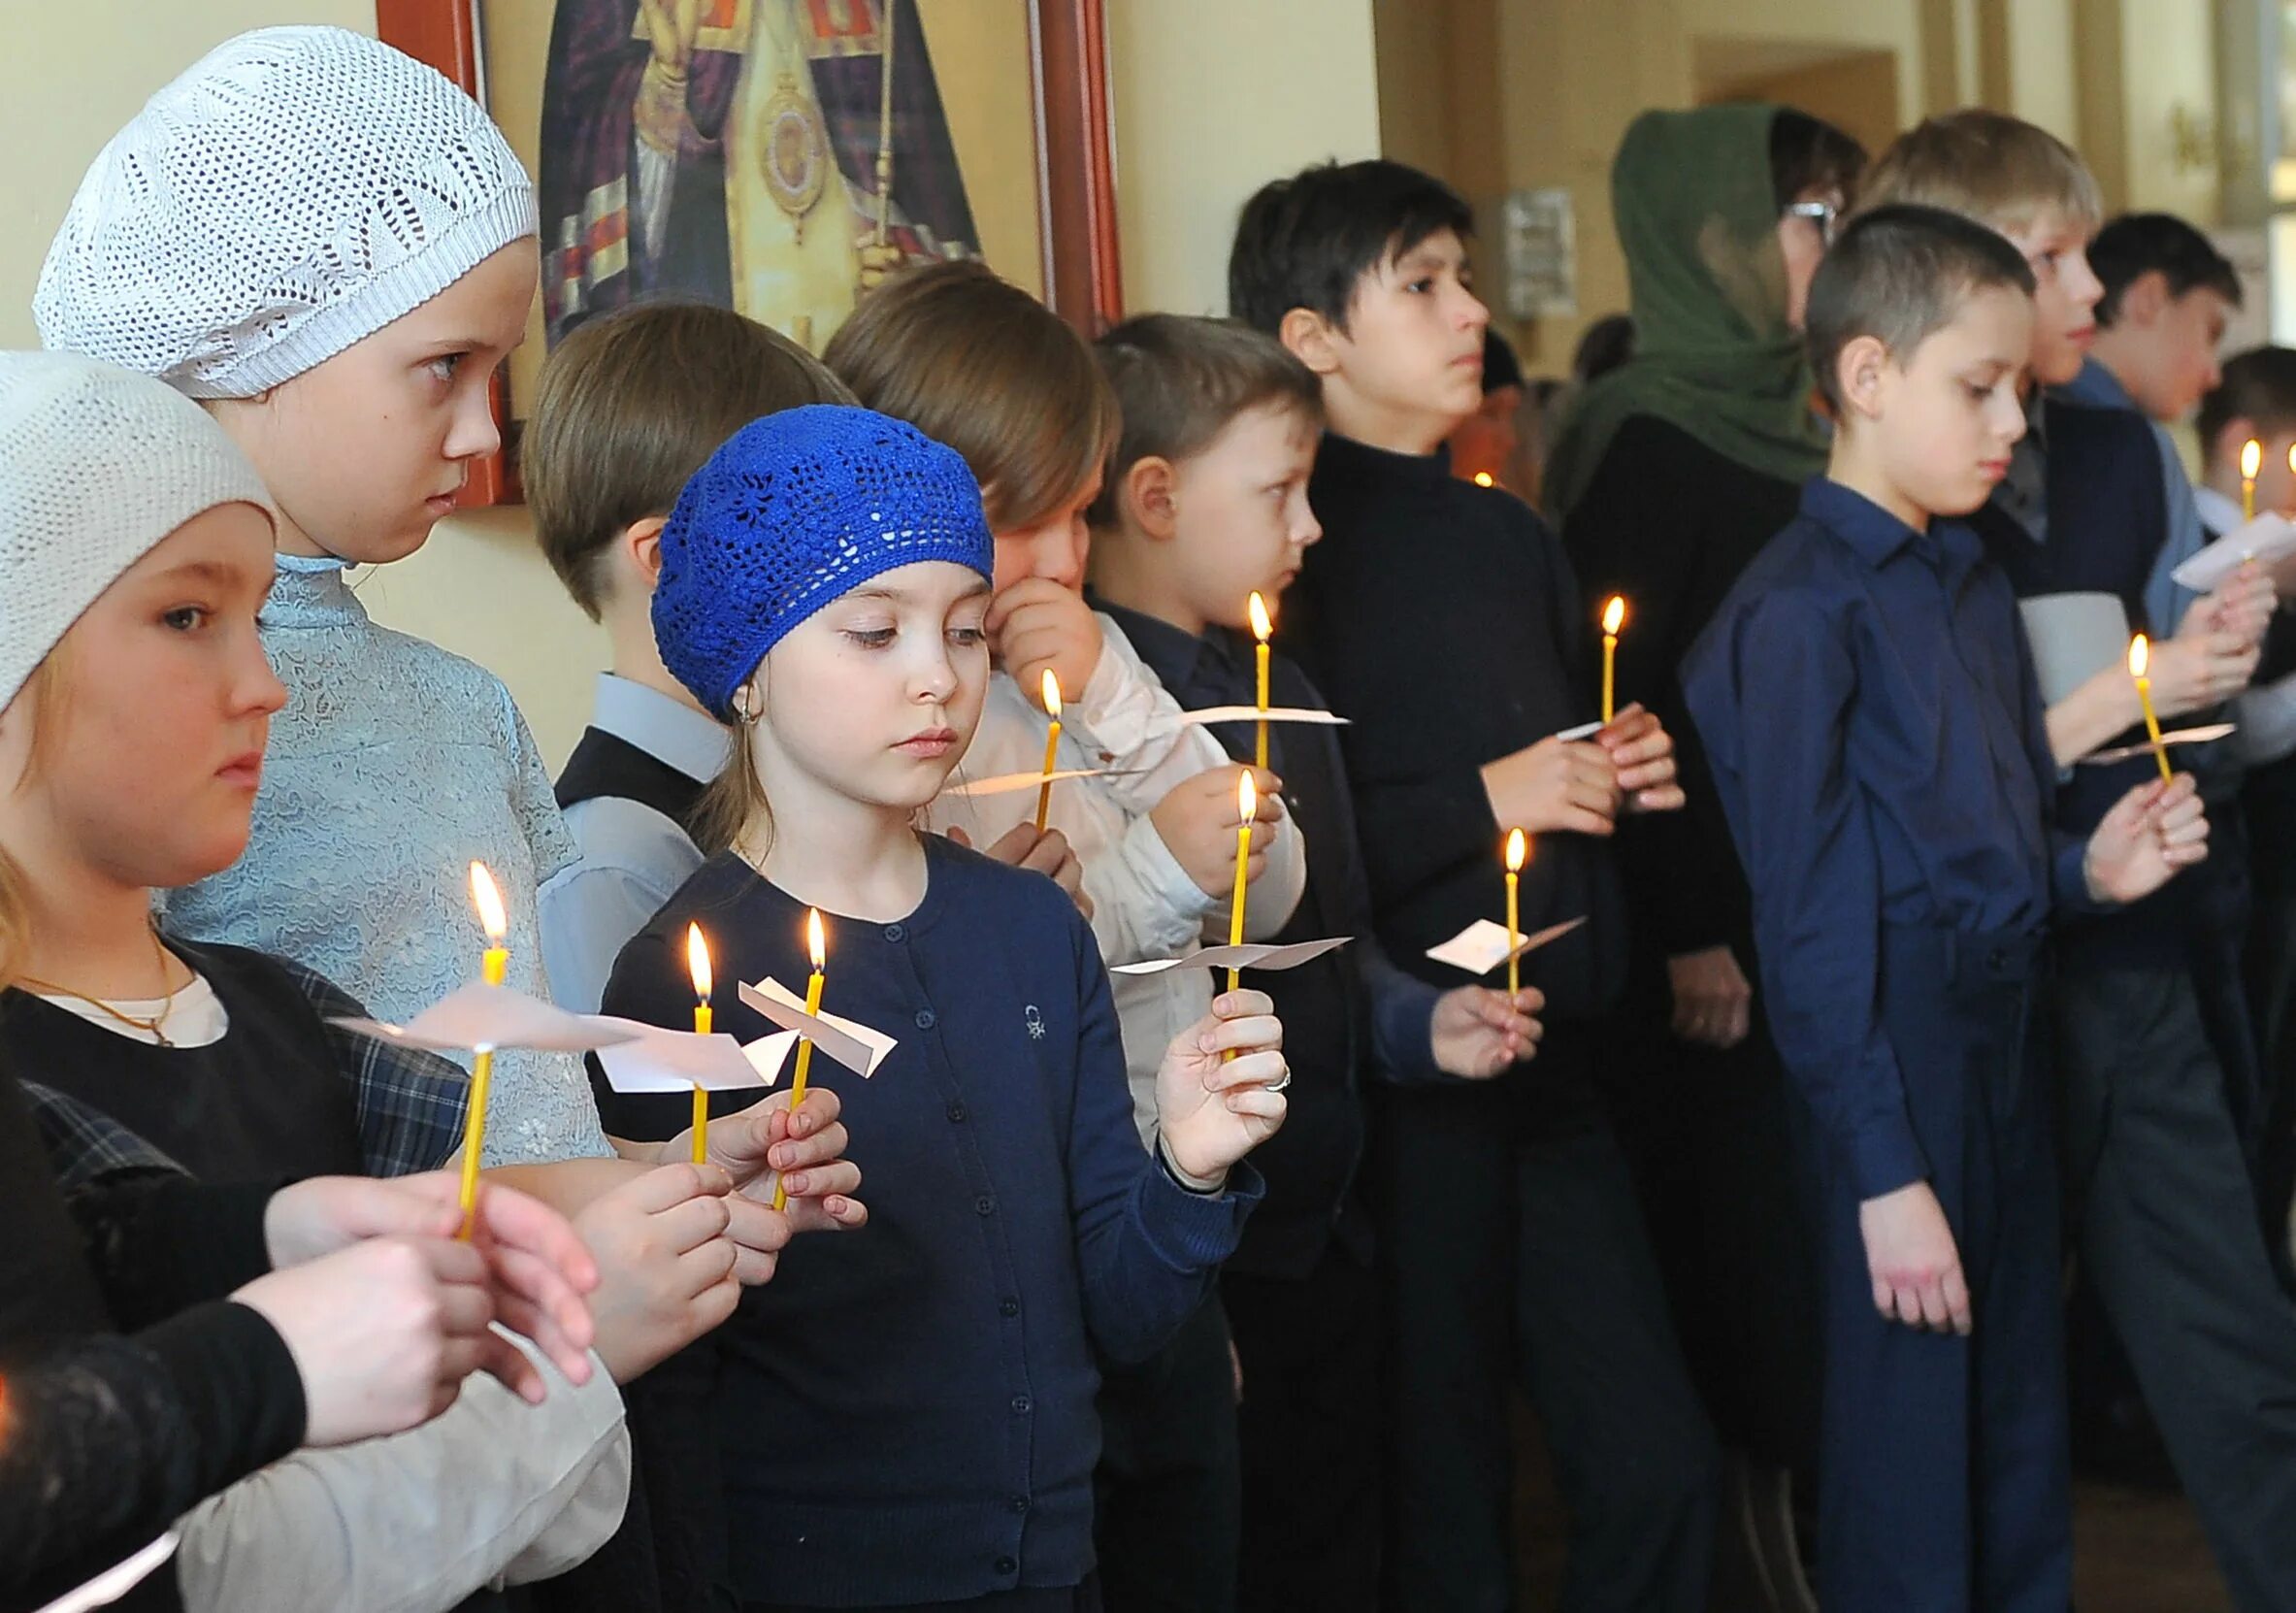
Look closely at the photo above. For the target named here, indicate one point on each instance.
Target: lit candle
(1517, 848)
(2140, 657)
(1613, 615)
(2252, 460)
(1262, 627)
(817, 944)
(1247, 806)
(1052, 746)
(698, 966)
(487, 898)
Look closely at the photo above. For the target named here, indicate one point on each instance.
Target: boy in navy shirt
(2153, 1049)
(1870, 708)
(1442, 621)
(1205, 503)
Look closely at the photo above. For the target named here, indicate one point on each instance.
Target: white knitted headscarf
(296, 190)
(97, 465)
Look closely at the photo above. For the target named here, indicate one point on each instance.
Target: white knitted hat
(97, 465)
(296, 190)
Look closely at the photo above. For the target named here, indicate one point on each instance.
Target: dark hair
(1900, 274)
(1809, 153)
(1180, 380)
(1307, 241)
(977, 363)
(2139, 244)
(630, 405)
(1602, 348)
(2258, 386)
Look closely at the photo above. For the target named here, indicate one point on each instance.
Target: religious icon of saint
(777, 157)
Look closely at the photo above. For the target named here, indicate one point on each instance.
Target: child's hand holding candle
(2151, 834)
(1219, 1092)
(1197, 822)
(1643, 753)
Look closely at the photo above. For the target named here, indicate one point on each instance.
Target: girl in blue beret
(906, 1420)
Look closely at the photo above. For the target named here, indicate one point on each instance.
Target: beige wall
(1499, 94)
(1212, 98)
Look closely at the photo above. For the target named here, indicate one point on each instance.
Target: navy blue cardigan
(905, 1414)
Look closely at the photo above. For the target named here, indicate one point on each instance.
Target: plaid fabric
(411, 1105)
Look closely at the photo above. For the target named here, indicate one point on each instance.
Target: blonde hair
(42, 695)
(979, 364)
(2001, 171)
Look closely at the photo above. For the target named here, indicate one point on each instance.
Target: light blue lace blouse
(393, 765)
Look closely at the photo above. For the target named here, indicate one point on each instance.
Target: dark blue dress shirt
(1876, 733)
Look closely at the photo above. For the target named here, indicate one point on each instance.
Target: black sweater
(106, 1440)
(1442, 619)
(1670, 524)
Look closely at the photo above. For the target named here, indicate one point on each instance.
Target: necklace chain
(150, 1027)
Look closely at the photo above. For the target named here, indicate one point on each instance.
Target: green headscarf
(1712, 354)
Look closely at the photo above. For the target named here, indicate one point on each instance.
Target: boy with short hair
(2157, 1079)
(1877, 737)
(1442, 621)
(1207, 503)
(2167, 294)
(629, 406)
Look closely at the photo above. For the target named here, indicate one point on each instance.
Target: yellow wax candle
(2140, 657)
(698, 966)
(817, 944)
(1052, 746)
(2252, 460)
(1247, 806)
(492, 967)
(1517, 848)
(1613, 615)
(1262, 629)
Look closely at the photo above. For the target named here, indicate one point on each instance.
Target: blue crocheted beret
(795, 510)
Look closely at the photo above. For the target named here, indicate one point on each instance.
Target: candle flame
(2139, 656)
(816, 944)
(1614, 614)
(2292, 456)
(1518, 847)
(2251, 459)
(1051, 695)
(1247, 798)
(698, 963)
(1262, 626)
(487, 897)
(1483, 478)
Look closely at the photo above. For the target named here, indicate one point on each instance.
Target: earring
(742, 702)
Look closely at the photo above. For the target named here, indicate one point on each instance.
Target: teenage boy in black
(1442, 621)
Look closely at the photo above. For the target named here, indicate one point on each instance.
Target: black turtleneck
(1442, 618)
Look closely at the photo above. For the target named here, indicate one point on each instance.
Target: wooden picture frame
(1075, 156)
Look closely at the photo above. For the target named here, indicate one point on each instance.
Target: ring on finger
(1284, 1081)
